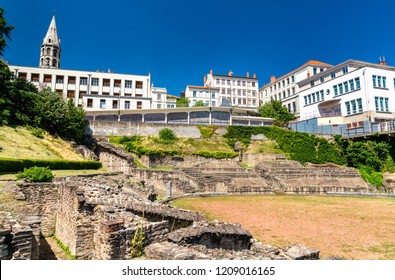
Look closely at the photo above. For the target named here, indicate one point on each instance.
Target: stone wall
(19, 241)
(107, 128)
(185, 161)
(41, 200)
(114, 159)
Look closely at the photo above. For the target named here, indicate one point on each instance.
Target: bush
(207, 131)
(217, 155)
(36, 174)
(11, 165)
(371, 176)
(167, 135)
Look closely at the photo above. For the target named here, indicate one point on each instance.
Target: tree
(199, 103)
(182, 102)
(274, 109)
(5, 32)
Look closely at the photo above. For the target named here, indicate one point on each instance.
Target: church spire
(50, 48)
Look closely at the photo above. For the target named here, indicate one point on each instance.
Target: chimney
(248, 74)
(382, 60)
(204, 79)
(230, 73)
(272, 79)
(211, 71)
(254, 76)
(308, 75)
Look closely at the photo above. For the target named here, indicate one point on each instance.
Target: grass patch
(65, 249)
(19, 142)
(264, 147)
(386, 250)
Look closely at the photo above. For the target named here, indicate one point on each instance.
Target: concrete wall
(107, 128)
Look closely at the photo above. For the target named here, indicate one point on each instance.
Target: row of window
(314, 97)
(381, 104)
(238, 83)
(278, 85)
(239, 92)
(379, 81)
(194, 94)
(347, 86)
(293, 107)
(354, 106)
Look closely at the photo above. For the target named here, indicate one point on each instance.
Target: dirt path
(344, 227)
(50, 250)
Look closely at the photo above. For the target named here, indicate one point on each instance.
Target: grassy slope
(18, 142)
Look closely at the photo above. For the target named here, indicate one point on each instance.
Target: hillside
(20, 143)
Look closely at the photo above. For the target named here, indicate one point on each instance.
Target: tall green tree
(5, 32)
(274, 109)
(182, 102)
(199, 103)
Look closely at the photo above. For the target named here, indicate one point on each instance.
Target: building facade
(235, 91)
(208, 95)
(286, 89)
(350, 93)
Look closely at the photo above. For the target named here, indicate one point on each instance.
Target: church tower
(50, 48)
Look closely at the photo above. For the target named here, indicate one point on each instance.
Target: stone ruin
(275, 174)
(97, 217)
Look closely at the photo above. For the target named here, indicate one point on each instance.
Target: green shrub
(371, 176)
(217, 155)
(167, 135)
(207, 131)
(11, 165)
(36, 131)
(36, 174)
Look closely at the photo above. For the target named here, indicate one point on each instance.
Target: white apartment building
(209, 95)
(234, 91)
(93, 90)
(349, 93)
(286, 89)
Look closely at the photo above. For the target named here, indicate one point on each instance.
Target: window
(253, 84)
(239, 83)
(305, 100)
(345, 70)
(194, 93)
(348, 108)
(115, 104)
(89, 103)
(294, 106)
(106, 82)
(335, 90)
(381, 104)
(128, 84)
(309, 98)
(354, 106)
(218, 81)
(340, 88)
(287, 81)
(139, 84)
(228, 82)
(71, 80)
(289, 107)
(333, 75)
(314, 71)
(312, 83)
(59, 79)
(313, 98)
(321, 79)
(351, 82)
(83, 81)
(244, 83)
(158, 106)
(139, 104)
(95, 82)
(102, 104)
(127, 105)
(293, 91)
(293, 79)
(322, 94)
(223, 81)
(345, 86)
(357, 83)
(379, 81)
(359, 102)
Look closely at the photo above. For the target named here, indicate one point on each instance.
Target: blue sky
(179, 41)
